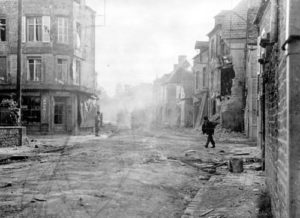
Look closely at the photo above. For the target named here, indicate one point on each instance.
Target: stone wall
(11, 136)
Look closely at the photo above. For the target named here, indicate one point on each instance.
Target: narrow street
(125, 174)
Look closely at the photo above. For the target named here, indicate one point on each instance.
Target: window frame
(64, 65)
(62, 30)
(36, 61)
(35, 26)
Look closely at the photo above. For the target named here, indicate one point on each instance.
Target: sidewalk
(225, 194)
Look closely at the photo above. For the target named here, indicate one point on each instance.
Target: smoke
(131, 107)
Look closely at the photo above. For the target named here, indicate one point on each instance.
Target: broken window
(31, 109)
(227, 74)
(62, 29)
(3, 69)
(2, 30)
(34, 66)
(62, 69)
(34, 29)
(78, 35)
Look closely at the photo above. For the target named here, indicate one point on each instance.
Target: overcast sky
(141, 39)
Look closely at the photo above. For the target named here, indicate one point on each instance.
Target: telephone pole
(19, 60)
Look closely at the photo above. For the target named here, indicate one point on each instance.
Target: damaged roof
(261, 11)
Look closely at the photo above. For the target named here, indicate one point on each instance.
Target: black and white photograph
(150, 109)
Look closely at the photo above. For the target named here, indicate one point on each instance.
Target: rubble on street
(167, 171)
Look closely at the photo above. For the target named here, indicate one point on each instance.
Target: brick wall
(276, 143)
(11, 136)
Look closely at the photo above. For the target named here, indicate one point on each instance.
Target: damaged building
(200, 71)
(173, 96)
(227, 71)
(58, 63)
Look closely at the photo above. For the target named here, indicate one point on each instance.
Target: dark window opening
(58, 113)
(204, 77)
(2, 30)
(3, 73)
(227, 74)
(31, 109)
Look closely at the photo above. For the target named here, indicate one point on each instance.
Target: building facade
(200, 71)
(227, 56)
(58, 63)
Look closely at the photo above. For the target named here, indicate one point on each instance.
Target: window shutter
(23, 29)
(74, 71)
(46, 28)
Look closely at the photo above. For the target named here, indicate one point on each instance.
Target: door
(60, 121)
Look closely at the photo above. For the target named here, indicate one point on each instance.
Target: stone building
(183, 79)
(173, 96)
(227, 72)
(200, 71)
(58, 63)
(279, 34)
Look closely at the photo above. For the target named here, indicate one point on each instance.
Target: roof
(217, 27)
(222, 13)
(261, 11)
(181, 75)
(201, 45)
(163, 79)
(233, 23)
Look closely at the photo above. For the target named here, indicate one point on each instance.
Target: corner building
(58, 63)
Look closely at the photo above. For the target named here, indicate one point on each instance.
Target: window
(3, 73)
(58, 113)
(204, 77)
(62, 30)
(78, 35)
(34, 66)
(31, 109)
(78, 72)
(2, 30)
(197, 79)
(62, 71)
(34, 29)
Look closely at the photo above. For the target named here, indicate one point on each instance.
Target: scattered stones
(6, 185)
(189, 152)
(202, 177)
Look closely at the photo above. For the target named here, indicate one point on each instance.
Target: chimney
(175, 66)
(181, 59)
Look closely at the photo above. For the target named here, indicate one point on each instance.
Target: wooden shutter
(23, 29)
(46, 28)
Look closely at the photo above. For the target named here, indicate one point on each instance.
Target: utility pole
(19, 61)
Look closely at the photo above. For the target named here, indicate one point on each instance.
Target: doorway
(60, 120)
